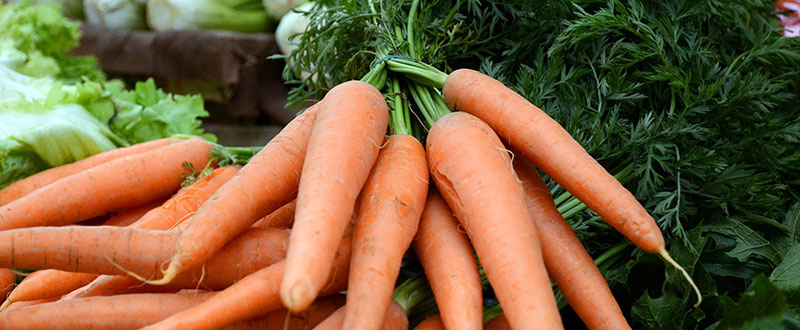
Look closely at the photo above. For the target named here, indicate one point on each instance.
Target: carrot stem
(412, 16)
(412, 292)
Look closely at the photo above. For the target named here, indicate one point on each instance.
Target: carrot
(542, 140)
(281, 218)
(7, 281)
(389, 209)
(123, 182)
(21, 304)
(307, 320)
(567, 262)
(344, 143)
(254, 295)
(186, 201)
(433, 322)
(268, 181)
(128, 216)
(55, 283)
(498, 323)
(22, 187)
(48, 283)
(118, 312)
(446, 255)
(479, 185)
(114, 250)
(394, 318)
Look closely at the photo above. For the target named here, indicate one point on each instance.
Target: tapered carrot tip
(298, 297)
(5, 304)
(665, 255)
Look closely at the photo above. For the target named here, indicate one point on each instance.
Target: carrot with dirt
(254, 295)
(24, 186)
(268, 181)
(55, 283)
(479, 185)
(117, 251)
(343, 146)
(390, 205)
(123, 182)
(551, 148)
(568, 263)
(131, 311)
(446, 256)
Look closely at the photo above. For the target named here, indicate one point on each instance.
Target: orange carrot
(344, 143)
(394, 318)
(186, 201)
(433, 322)
(123, 182)
(253, 295)
(281, 218)
(55, 283)
(22, 187)
(21, 304)
(567, 262)
(307, 320)
(390, 205)
(550, 147)
(114, 250)
(268, 181)
(7, 281)
(479, 185)
(48, 283)
(118, 312)
(446, 255)
(498, 323)
(128, 216)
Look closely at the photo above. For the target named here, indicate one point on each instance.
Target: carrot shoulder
(446, 255)
(390, 206)
(568, 263)
(268, 181)
(123, 182)
(472, 170)
(551, 148)
(22, 187)
(344, 142)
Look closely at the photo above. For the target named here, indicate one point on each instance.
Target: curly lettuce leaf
(36, 40)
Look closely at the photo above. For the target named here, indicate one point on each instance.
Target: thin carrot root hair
(127, 272)
(665, 255)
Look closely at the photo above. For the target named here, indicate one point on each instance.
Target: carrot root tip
(298, 295)
(665, 255)
(5, 304)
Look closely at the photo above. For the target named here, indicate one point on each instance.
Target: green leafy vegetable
(36, 39)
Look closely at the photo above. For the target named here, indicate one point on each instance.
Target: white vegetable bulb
(116, 14)
(278, 8)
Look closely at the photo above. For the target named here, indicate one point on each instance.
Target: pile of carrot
(331, 204)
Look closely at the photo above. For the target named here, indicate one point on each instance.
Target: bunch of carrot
(330, 204)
